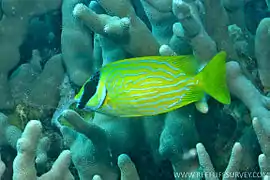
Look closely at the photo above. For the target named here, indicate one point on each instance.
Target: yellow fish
(153, 85)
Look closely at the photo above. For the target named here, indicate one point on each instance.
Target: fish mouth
(74, 104)
(79, 105)
(82, 106)
(85, 108)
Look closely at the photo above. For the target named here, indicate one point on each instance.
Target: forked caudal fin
(213, 77)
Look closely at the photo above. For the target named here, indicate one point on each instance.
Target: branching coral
(207, 166)
(194, 31)
(95, 33)
(24, 163)
(262, 52)
(242, 88)
(200, 31)
(96, 145)
(76, 44)
(127, 31)
(264, 161)
(28, 146)
(35, 89)
(128, 169)
(13, 27)
(9, 134)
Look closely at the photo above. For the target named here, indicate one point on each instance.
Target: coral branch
(134, 30)
(262, 43)
(217, 22)
(88, 160)
(264, 140)
(194, 31)
(9, 134)
(243, 89)
(206, 164)
(127, 168)
(24, 162)
(90, 130)
(76, 44)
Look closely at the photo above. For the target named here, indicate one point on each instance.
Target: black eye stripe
(89, 90)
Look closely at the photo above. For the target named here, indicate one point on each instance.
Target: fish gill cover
(50, 48)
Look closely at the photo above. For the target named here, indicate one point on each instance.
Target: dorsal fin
(187, 63)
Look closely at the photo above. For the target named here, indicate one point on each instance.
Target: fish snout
(79, 105)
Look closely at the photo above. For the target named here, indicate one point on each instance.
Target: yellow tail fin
(213, 78)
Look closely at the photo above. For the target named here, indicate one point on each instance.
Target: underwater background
(50, 48)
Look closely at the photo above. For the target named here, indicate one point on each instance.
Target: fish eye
(89, 90)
